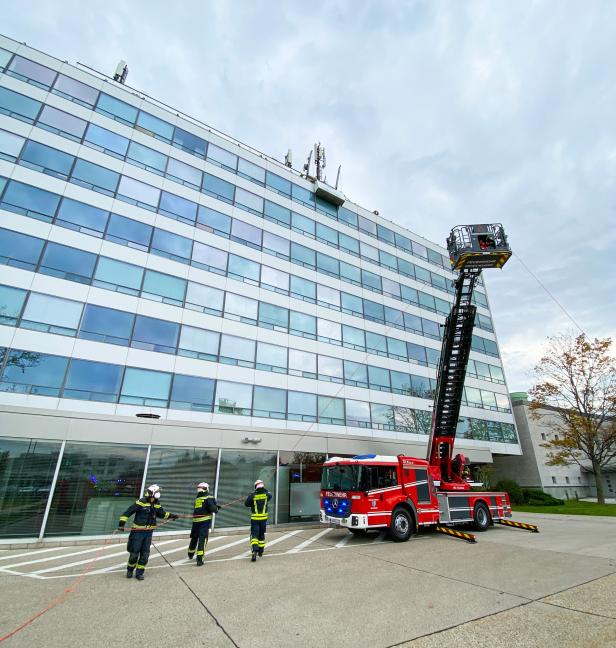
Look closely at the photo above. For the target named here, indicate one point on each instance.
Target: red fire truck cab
(398, 494)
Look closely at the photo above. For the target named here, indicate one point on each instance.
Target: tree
(575, 395)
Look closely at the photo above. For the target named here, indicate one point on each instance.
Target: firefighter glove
(173, 516)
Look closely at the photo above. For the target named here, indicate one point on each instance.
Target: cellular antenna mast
(319, 160)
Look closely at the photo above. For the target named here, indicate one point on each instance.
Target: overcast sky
(440, 113)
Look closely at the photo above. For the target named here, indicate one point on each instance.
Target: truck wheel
(400, 528)
(481, 517)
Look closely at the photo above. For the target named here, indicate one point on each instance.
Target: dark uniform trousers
(140, 537)
(258, 504)
(198, 537)
(205, 506)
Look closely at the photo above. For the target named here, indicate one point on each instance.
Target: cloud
(440, 113)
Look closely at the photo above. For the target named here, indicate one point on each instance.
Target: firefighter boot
(139, 576)
(254, 557)
(191, 555)
(129, 572)
(199, 561)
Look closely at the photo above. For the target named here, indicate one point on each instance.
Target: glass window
(409, 294)
(153, 334)
(5, 57)
(46, 159)
(394, 317)
(75, 90)
(269, 402)
(376, 343)
(250, 201)
(350, 273)
(178, 207)
(329, 331)
(213, 221)
(325, 207)
(370, 280)
(10, 145)
(82, 217)
(189, 142)
(106, 325)
(129, 232)
(430, 328)
(302, 324)
(496, 373)
(490, 347)
(29, 70)
(378, 378)
(18, 106)
(303, 255)
(301, 195)
(52, 314)
(426, 301)
(146, 158)
(29, 372)
(406, 268)
(95, 381)
(353, 337)
(355, 374)
(328, 264)
(396, 348)
(433, 357)
(242, 307)
(327, 235)
(330, 369)
(171, 246)
(299, 483)
(434, 257)
(204, 298)
(233, 398)
(30, 201)
(420, 250)
(272, 316)
(185, 173)
(366, 225)
(278, 184)
(67, 263)
(138, 193)
(382, 416)
(145, 387)
(438, 281)
(154, 126)
(348, 243)
(302, 363)
(19, 250)
(116, 109)
(218, 188)
(373, 311)
(276, 244)
(385, 234)
(107, 141)
(95, 177)
(422, 275)
(117, 275)
(221, 157)
(11, 303)
(442, 306)
(245, 233)
(303, 224)
(302, 407)
(502, 402)
(416, 353)
(400, 382)
(198, 343)
(347, 216)
(61, 122)
(241, 267)
(403, 242)
(327, 295)
(352, 304)
(331, 410)
(239, 350)
(191, 393)
(170, 289)
(251, 171)
(271, 357)
(488, 398)
(276, 279)
(303, 288)
(97, 482)
(388, 260)
(357, 413)
(26, 472)
(209, 258)
(473, 396)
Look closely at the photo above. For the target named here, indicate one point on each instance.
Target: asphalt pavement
(323, 587)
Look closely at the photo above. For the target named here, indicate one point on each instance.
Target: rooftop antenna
(288, 159)
(319, 159)
(121, 72)
(307, 164)
(338, 176)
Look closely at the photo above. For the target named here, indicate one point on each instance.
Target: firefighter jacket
(145, 514)
(205, 505)
(257, 502)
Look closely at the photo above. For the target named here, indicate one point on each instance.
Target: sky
(440, 113)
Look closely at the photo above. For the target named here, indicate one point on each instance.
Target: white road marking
(308, 542)
(32, 553)
(66, 555)
(344, 541)
(380, 538)
(212, 551)
(269, 544)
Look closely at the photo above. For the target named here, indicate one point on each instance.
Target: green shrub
(537, 497)
(516, 495)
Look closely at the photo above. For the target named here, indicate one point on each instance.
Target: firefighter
(258, 503)
(146, 509)
(205, 506)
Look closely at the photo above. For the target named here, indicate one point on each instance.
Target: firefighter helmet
(203, 486)
(259, 484)
(154, 491)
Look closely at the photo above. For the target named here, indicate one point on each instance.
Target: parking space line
(380, 538)
(344, 541)
(308, 542)
(270, 543)
(31, 553)
(211, 551)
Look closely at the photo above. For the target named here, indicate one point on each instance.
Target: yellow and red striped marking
(469, 537)
(519, 525)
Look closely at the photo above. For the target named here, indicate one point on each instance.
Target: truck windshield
(340, 478)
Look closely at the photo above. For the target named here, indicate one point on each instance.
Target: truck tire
(481, 517)
(401, 525)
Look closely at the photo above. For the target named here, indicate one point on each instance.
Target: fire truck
(401, 493)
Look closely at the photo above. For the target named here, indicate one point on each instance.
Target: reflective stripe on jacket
(145, 515)
(257, 502)
(205, 505)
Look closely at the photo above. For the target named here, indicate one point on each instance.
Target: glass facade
(203, 281)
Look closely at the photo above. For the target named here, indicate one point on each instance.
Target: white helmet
(154, 491)
(203, 486)
(259, 484)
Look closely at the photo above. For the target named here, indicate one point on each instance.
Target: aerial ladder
(472, 248)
